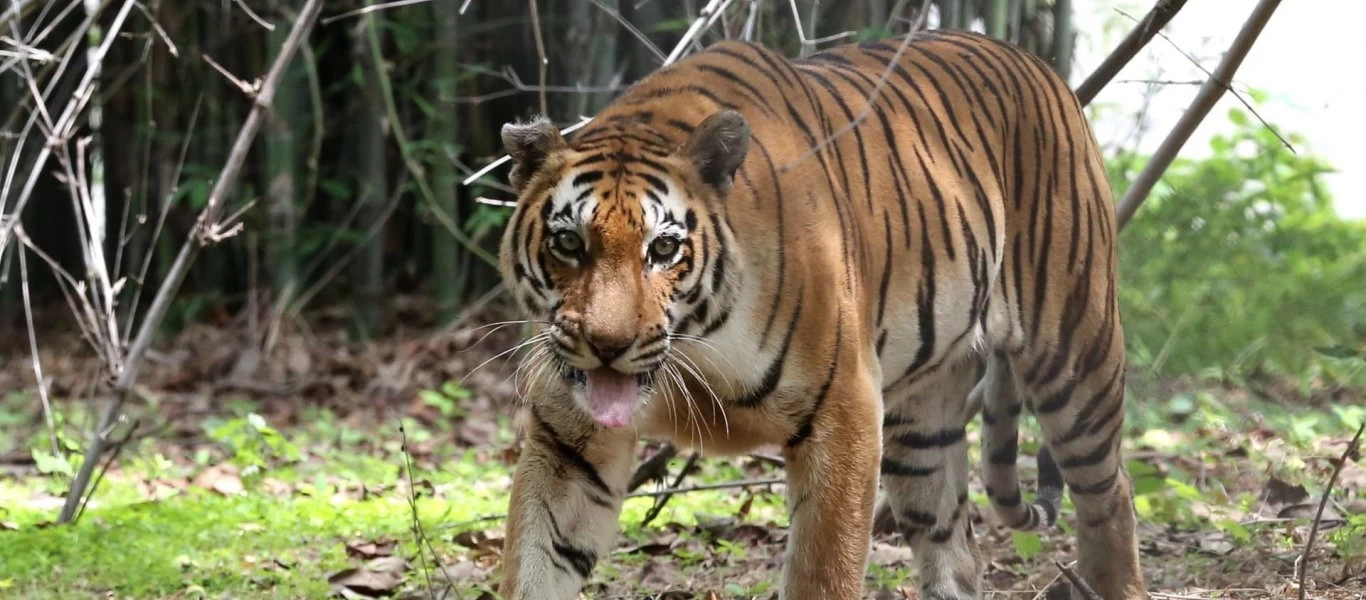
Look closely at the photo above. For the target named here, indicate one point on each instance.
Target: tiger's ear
(717, 147)
(529, 144)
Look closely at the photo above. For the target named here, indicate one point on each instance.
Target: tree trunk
(281, 169)
(1062, 37)
(447, 255)
(996, 19)
(370, 185)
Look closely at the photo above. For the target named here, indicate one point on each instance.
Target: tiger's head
(616, 245)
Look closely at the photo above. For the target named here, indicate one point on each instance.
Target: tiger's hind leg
(925, 474)
(1078, 399)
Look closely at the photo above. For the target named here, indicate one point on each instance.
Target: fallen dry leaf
(378, 578)
(222, 479)
(371, 549)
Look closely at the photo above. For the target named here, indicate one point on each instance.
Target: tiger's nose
(608, 349)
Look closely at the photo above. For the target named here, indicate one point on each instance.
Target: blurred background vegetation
(319, 370)
(1237, 267)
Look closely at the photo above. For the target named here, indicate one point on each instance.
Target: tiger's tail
(996, 395)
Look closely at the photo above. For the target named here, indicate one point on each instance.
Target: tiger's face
(611, 245)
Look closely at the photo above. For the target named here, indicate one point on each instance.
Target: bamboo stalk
(204, 232)
(1205, 100)
(1153, 22)
(1062, 37)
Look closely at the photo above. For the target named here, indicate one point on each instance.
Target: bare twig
(655, 467)
(33, 349)
(378, 7)
(117, 447)
(1152, 23)
(543, 62)
(660, 501)
(747, 32)
(872, 97)
(253, 16)
(424, 545)
(704, 19)
(710, 486)
(201, 234)
(1204, 101)
(63, 123)
(649, 45)
(698, 26)
(1227, 85)
(16, 9)
(809, 45)
(1077, 582)
(1302, 563)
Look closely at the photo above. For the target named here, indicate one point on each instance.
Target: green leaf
(735, 589)
(1339, 351)
(49, 464)
(1027, 543)
(1181, 405)
(455, 390)
(433, 398)
(1237, 117)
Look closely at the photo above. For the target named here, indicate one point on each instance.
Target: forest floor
(297, 473)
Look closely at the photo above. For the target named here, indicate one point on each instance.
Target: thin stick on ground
(1152, 23)
(205, 231)
(1204, 101)
(1302, 564)
(1077, 582)
(662, 500)
(709, 487)
(108, 462)
(424, 545)
(654, 468)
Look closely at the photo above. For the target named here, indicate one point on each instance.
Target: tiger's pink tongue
(612, 396)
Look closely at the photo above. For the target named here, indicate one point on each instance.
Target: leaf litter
(1225, 513)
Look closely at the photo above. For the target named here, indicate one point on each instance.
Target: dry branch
(661, 501)
(710, 486)
(698, 27)
(1077, 582)
(64, 123)
(873, 97)
(1204, 101)
(205, 230)
(1154, 21)
(1302, 564)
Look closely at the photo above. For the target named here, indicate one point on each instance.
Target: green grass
(313, 488)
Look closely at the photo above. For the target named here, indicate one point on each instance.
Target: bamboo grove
(351, 195)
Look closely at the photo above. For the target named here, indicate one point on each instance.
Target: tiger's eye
(663, 248)
(567, 243)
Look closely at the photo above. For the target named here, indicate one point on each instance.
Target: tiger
(845, 256)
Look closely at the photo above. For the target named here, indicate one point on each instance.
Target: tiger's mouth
(612, 397)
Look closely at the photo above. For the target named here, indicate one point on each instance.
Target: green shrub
(1238, 262)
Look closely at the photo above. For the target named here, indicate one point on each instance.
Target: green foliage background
(1237, 265)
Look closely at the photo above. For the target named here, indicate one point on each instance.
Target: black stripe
(582, 559)
(937, 439)
(894, 468)
(774, 373)
(805, 429)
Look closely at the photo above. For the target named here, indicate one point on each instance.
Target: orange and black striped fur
(691, 259)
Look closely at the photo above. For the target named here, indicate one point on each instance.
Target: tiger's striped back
(858, 233)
